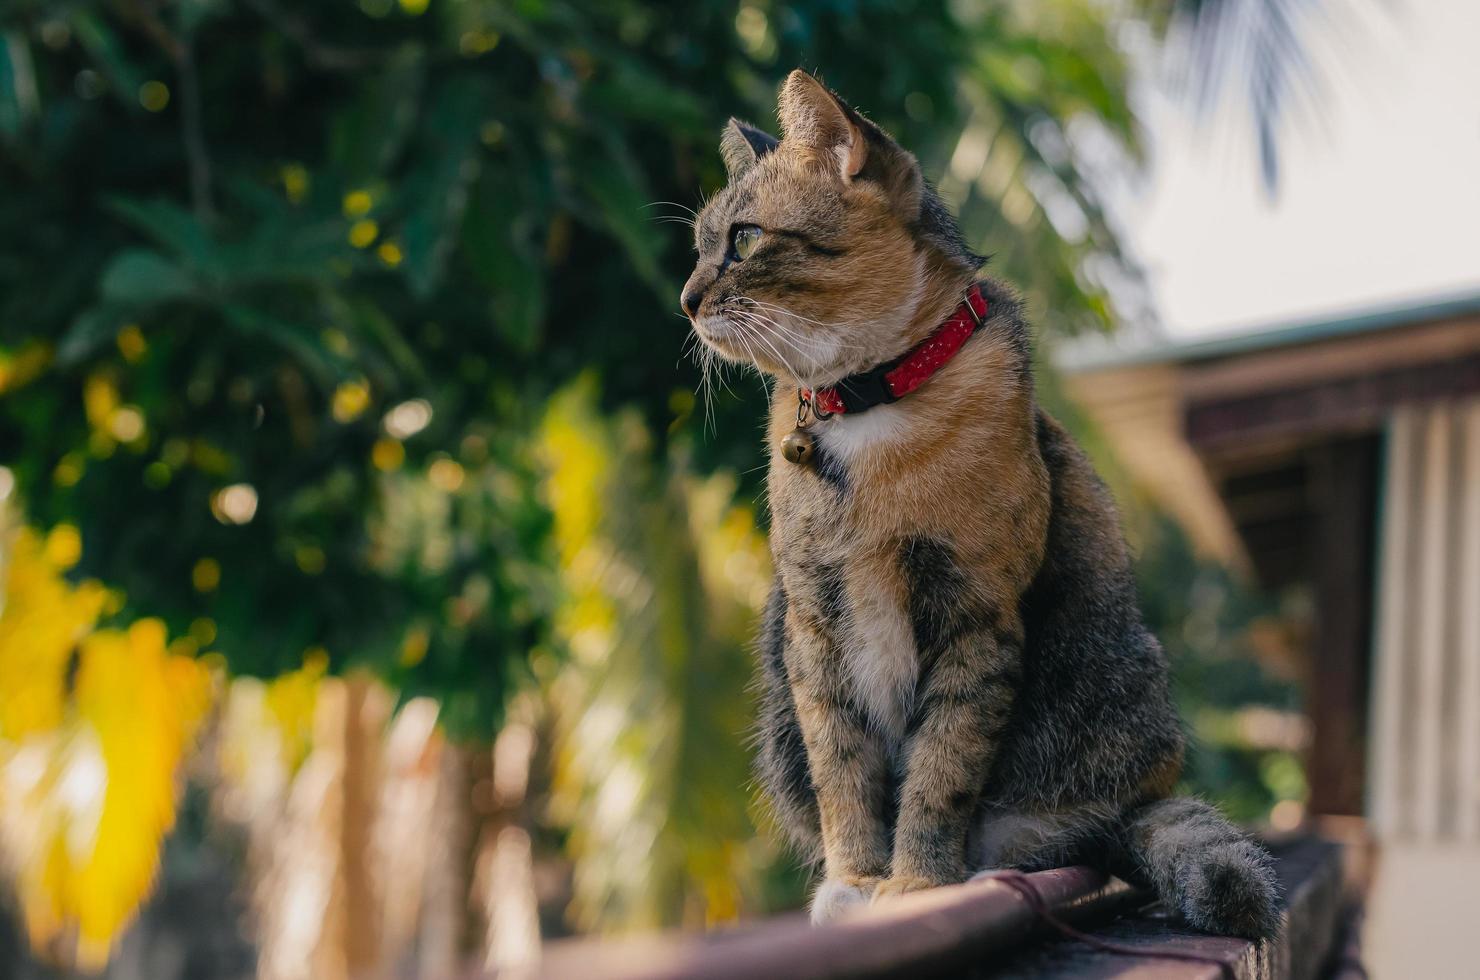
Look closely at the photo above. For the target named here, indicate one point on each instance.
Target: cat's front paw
(900, 885)
(835, 896)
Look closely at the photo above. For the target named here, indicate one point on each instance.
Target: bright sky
(1379, 196)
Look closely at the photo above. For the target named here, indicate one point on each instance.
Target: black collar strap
(892, 380)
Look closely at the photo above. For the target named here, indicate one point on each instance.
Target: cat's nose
(694, 290)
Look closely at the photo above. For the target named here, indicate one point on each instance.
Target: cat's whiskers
(687, 349)
(823, 349)
(685, 207)
(710, 367)
(796, 336)
(770, 311)
(828, 356)
(772, 307)
(750, 360)
(758, 323)
(688, 222)
(708, 361)
(754, 328)
(699, 353)
(814, 362)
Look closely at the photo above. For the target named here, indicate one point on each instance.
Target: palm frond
(1263, 46)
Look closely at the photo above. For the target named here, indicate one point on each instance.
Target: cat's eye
(744, 240)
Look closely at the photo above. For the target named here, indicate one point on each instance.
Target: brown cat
(955, 675)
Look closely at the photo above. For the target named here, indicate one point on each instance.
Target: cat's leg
(849, 774)
(955, 731)
(847, 761)
(781, 765)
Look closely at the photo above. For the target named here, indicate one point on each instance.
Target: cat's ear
(742, 145)
(813, 117)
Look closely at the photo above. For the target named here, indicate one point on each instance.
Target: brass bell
(798, 445)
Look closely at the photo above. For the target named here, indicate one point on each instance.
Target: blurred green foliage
(1212, 626)
(249, 229)
(664, 577)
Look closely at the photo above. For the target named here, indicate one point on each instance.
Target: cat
(954, 672)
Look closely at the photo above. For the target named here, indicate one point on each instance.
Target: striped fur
(954, 671)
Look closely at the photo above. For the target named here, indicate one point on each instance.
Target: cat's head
(816, 257)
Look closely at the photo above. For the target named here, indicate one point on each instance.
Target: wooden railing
(986, 928)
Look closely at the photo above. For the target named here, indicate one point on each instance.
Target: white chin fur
(712, 329)
(834, 898)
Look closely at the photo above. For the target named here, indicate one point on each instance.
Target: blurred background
(379, 582)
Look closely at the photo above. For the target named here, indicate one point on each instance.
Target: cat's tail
(1201, 865)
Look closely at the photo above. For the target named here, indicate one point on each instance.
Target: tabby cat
(954, 671)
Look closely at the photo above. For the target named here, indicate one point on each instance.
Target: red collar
(892, 380)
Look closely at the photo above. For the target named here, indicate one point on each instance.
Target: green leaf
(497, 239)
(171, 226)
(637, 93)
(301, 342)
(17, 76)
(437, 192)
(89, 331)
(103, 46)
(140, 277)
(192, 14)
(283, 251)
(612, 183)
(374, 323)
(371, 324)
(366, 138)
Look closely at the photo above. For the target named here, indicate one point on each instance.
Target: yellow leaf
(90, 778)
(99, 399)
(350, 400)
(357, 204)
(63, 546)
(143, 707)
(42, 619)
(390, 253)
(414, 646)
(206, 575)
(295, 181)
(131, 343)
(363, 232)
(387, 455)
(291, 700)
